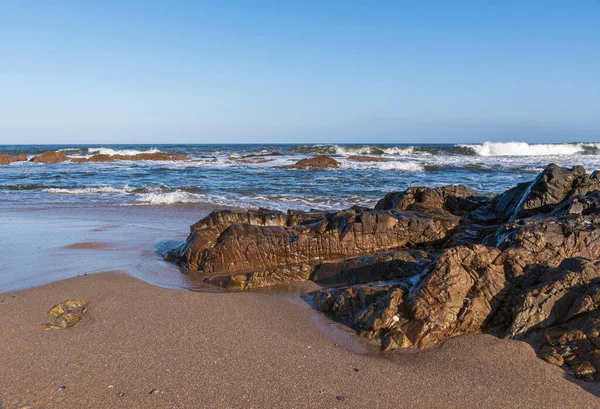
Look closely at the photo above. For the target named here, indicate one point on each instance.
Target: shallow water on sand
(39, 246)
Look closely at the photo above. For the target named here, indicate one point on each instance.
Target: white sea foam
(526, 149)
(170, 198)
(90, 190)
(391, 165)
(112, 152)
(372, 150)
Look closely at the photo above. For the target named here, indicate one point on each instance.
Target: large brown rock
(50, 157)
(318, 162)
(8, 159)
(241, 247)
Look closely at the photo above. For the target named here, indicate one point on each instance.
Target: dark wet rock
(362, 158)
(318, 162)
(50, 157)
(251, 160)
(223, 246)
(8, 159)
(263, 278)
(548, 241)
(542, 195)
(580, 205)
(67, 314)
(459, 200)
(377, 267)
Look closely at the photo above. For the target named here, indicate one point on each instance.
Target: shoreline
(207, 350)
(267, 347)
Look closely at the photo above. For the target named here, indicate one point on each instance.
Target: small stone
(341, 398)
(62, 388)
(26, 406)
(153, 391)
(120, 394)
(355, 369)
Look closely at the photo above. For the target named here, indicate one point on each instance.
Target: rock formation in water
(157, 156)
(362, 158)
(428, 264)
(318, 162)
(6, 159)
(50, 157)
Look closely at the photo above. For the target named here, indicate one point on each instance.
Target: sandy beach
(243, 350)
(145, 330)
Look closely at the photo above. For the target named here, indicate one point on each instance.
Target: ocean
(488, 168)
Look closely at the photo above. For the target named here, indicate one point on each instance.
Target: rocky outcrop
(240, 247)
(8, 159)
(50, 157)
(550, 188)
(158, 156)
(426, 264)
(458, 200)
(362, 158)
(318, 162)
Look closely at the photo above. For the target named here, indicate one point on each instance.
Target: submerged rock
(67, 314)
(318, 162)
(362, 158)
(427, 264)
(157, 156)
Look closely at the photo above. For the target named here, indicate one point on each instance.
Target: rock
(8, 159)
(580, 205)
(263, 278)
(455, 296)
(362, 158)
(381, 266)
(241, 247)
(458, 200)
(157, 156)
(571, 289)
(50, 157)
(542, 195)
(318, 162)
(548, 241)
(67, 314)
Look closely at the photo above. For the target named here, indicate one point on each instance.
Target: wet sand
(265, 348)
(242, 350)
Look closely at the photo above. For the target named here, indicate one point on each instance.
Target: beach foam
(526, 149)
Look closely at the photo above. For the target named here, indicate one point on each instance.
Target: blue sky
(320, 71)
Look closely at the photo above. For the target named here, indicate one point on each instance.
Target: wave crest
(526, 149)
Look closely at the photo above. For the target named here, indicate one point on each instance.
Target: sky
(403, 71)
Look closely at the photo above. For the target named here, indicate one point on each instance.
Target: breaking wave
(84, 152)
(391, 166)
(359, 150)
(526, 149)
(144, 190)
